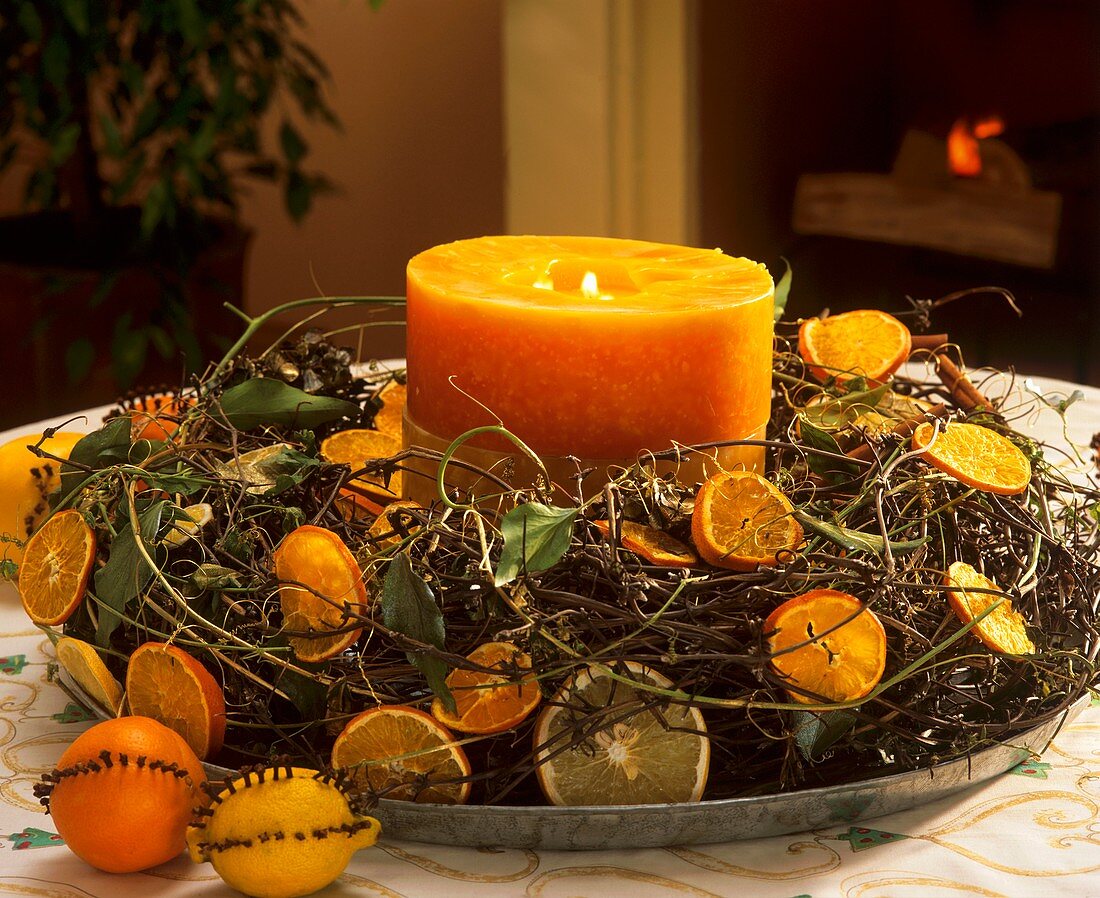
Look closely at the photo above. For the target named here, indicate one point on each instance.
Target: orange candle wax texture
(589, 346)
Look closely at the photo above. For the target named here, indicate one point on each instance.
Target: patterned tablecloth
(1032, 832)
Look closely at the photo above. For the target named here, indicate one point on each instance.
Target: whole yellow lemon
(25, 482)
(280, 832)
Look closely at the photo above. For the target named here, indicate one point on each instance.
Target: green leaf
(264, 400)
(126, 572)
(835, 412)
(184, 480)
(286, 469)
(79, 356)
(154, 207)
(55, 61)
(102, 448)
(782, 291)
(63, 143)
(29, 19)
(815, 731)
(294, 148)
(203, 142)
(76, 11)
(215, 577)
(129, 346)
(299, 195)
(855, 540)
(112, 139)
(134, 169)
(306, 694)
(816, 438)
(535, 538)
(191, 21)
(410, 608)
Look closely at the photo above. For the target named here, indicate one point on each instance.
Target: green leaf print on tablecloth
(861, 838)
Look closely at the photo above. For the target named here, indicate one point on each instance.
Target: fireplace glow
(964, 156)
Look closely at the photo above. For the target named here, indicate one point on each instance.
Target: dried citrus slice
(356, 447)
(157, 417)
(975, 455)
(742, 521)
(26, 482)
(401, 753)
(654, 545)
(866, 343)
(388, 419)
(1003, 629)
(392, 526)
(183, 529)
(490, 702)
(330, 579)
(56, 563)
(172, 687)
(651, 756)
(840, 664)
(84, 665)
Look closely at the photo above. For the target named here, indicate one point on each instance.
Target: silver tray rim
(599, 827)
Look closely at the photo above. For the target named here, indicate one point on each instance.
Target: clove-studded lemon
(280, 832)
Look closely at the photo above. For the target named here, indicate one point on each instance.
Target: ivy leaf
(856, 540)
(409, 607)
(838, 411)
(815, 438)
(287, 468)
(100, 449)
(264, 400)
(126, 572)
(782, 291)
(294, 148)
(76, 11)
(535, 538)
(815, 731)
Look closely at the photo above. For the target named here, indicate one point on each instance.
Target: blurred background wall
(689, 121)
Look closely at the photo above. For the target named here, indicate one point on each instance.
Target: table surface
(1032, 832)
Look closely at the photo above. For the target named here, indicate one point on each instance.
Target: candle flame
(590, 287)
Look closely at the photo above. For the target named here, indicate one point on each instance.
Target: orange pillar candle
(588, 346)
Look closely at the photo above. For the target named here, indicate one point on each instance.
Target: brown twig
(865, 451)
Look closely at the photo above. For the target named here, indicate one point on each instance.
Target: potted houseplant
(135, 125)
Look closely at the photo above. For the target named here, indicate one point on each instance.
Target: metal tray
(694, 823)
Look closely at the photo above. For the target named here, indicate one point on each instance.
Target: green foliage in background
(142, 122)
(158, 103)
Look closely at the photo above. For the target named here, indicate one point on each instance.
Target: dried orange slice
(742, 521)
(651, 756)
(841, 664)
(172, 687)
(1003, 629)
(57, 561)
(330, 579)
(654, 545)
(866, 343)
(391, 526)
(157, 417)
(356, 447)
(81, 661)
(388, 419)
(401, 753)
(490, 702)
(975, 455)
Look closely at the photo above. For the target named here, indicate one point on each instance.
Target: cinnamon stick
(963, 392)
(904, 428)
(928, 342)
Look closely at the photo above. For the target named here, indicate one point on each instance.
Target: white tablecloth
(1032, 832)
